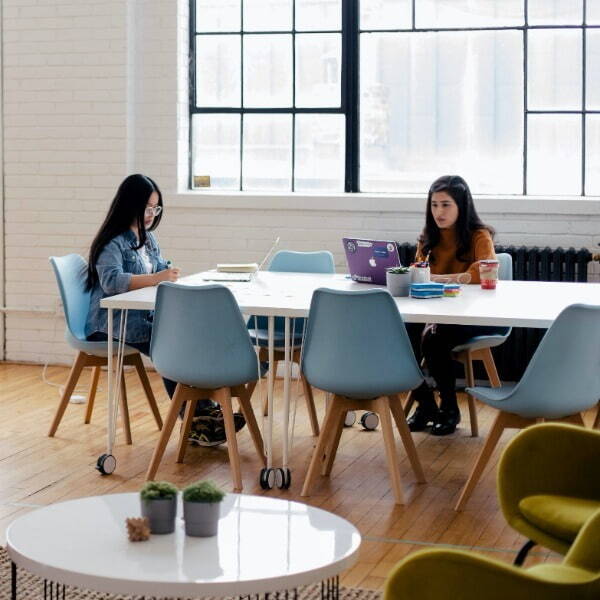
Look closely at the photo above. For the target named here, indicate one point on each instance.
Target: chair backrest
(563, 376)
(199, 337)
(71, 276)
(289, 261)
(357, 346)
(303, 262)
(505, 268)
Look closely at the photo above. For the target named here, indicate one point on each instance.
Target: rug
(30, 587)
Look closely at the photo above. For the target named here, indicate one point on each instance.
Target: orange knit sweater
(443, 257)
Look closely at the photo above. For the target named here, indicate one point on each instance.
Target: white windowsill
(367, 202)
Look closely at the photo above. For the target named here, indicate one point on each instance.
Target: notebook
(369, 259)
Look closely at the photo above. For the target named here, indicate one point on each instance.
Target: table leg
(107, 463)
(270, 390)
(287, 364)
(53, 590)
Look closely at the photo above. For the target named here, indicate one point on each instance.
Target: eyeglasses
(153, 211)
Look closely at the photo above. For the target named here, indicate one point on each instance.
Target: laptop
(244, 276)
(369, 259)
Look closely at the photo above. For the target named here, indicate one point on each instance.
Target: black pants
(436, 345)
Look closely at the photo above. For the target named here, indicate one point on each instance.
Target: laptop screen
(369, 259)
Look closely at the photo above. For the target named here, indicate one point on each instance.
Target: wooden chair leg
(407, 439)
(78, 364)
(253, 428)
(390, 448)
(137, 362)
(490, 367)
(502, 421)
(223, 397)
(184, 432)
(576, 419)
(176, 403)
(310, 406)
(470, 376)
(125, 411)
(92, 395)
(327, 432)
(332, 449)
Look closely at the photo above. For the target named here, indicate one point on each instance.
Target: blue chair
(71, 275)
(200, 340)
(480, 348)
(561, 380)
(357, 349)
(288, 261)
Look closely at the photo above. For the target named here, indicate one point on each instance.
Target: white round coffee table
(263, 545)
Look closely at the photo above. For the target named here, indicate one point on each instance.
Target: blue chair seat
(496, 397)
(481, 341)
(95, 348)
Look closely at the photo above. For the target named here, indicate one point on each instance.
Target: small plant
(203, 491)
(398, 270)
(158, 490)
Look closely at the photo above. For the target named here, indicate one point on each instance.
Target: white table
(84, 543)
(288, 295)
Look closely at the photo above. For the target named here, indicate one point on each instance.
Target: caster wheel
(284, 478)
(106, 464)
(369, 421)
(267, 478)
(350, 418)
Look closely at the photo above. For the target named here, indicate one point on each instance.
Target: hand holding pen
(169, 274)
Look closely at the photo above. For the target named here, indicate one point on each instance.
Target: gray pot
(161, 514)
(201, 518)
(398, 284)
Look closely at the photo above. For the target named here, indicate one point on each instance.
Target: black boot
(448, 417)
(426, 411)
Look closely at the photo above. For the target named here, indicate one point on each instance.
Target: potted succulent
(201, 508)
(159, 504)
(398, 280)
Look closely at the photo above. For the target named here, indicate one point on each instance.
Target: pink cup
(488, 274)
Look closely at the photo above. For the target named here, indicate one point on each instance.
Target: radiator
(529, 264)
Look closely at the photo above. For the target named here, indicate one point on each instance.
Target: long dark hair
(467, 223)
(128, 207)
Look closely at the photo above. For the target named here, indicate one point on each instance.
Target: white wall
(95, 90)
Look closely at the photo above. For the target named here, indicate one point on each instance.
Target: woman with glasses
(125, 256)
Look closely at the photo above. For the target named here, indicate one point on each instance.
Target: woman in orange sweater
(454, 240)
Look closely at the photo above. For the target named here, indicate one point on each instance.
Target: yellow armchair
(437, 574)
(549, 483)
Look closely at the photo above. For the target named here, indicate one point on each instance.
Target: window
(386, 95)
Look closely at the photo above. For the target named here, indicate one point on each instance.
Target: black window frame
(350, 84)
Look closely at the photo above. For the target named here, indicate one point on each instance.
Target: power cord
(79, 395)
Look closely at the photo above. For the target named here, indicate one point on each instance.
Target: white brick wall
(95, 90)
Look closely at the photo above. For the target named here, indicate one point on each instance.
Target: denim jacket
(117, 262)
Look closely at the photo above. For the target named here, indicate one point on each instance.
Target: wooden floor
(36, 470)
